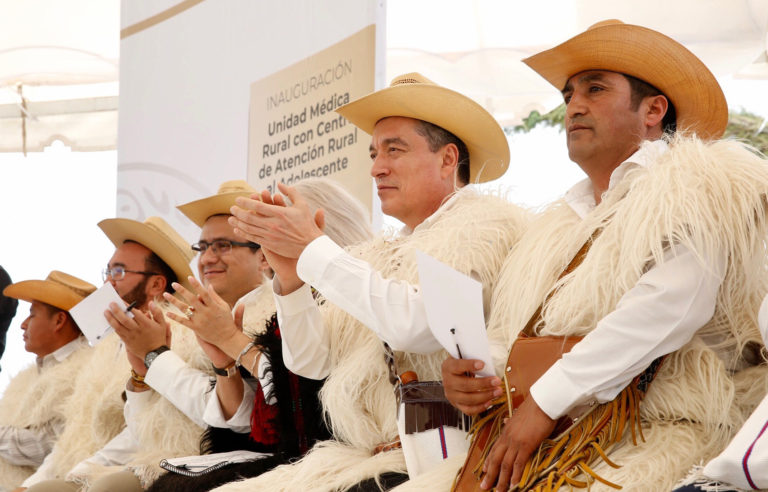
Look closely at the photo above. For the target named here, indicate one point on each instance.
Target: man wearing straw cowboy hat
(148, 258)
(428, 143)
(32, 407)
(656, 259)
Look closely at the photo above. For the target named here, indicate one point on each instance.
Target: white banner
(186, 74)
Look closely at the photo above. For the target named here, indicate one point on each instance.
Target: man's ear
(450, 157)
(262, 260)
(156, 285)
(60, 320)
(655, 108)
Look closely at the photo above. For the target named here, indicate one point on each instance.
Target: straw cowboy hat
(414, 96)
(156, 235)
(649, 56)
(198, 211)
(58, 289)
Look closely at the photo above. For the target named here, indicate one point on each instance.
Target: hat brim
(44, 291)
(649, 56)
(460, 115)
(199, 211)
(120, 230)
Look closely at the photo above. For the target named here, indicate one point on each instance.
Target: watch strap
(226, 372)
(152, 355)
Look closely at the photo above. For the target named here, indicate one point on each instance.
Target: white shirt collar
(250, 296)
(61, 353)
(449, 202)
(581, 197)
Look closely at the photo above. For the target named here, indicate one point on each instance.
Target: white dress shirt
(188, 389)
(383, 305)
(676, 298)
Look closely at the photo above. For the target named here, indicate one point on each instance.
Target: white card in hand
(455, 301)
(89, 313)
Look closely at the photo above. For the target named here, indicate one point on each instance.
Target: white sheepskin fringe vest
(95, 410)
(34, 399)
(473, 234)
(709, 197)
(163, 430)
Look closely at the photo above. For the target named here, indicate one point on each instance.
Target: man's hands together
(521, 434)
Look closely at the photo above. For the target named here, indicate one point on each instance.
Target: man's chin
(215, 280)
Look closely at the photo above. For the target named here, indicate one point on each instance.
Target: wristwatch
(152, 355)
(227, 372)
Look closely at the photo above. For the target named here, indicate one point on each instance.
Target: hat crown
(410, 78)
(603, 23)
(164, 229)
(76, 285)
(235, 186)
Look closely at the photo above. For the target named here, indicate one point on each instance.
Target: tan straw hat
(198, 211)
(58, 289)
(649, 56)
(156, 235)
(414, 96)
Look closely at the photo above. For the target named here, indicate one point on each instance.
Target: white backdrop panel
(184, 89)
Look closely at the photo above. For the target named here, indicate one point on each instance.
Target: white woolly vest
(34, 398)
(709, 197)
(473, 235)
(164, 431)
(95, 410)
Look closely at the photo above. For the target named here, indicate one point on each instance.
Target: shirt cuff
(292, 304)
(315, 258)
(554, 392)
(239, 422)
(159, 374)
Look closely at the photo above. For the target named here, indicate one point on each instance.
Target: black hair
(640, 90)
(437, 138)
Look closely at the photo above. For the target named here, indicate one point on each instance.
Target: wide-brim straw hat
(59, 289)
(649, 56)
(414, 96)
(156, 235)
(199, 211)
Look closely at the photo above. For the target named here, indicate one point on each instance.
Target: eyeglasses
(221, 246)
(118, 273)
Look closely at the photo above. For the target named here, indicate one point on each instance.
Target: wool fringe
(707, 197)
(329, 467)
(35, 399)
(473, 234)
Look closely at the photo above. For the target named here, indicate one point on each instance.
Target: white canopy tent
(59, 60)
(58, 74)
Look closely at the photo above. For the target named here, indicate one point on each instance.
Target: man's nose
(575, 106)
(379, 167)
(208, 256)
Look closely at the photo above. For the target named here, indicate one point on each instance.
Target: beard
(138, 294)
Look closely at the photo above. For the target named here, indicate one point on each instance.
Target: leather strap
(575, 262)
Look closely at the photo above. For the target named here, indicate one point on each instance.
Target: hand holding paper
(454, 301)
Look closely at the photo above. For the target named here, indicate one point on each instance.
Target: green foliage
(743, 126)
(749, 128)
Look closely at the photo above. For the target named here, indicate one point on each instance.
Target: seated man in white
(32, 407)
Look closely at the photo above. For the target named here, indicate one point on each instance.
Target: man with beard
(149, 257)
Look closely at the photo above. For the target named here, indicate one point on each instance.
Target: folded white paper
(193, 466)
(89, 313)
(454, 301)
